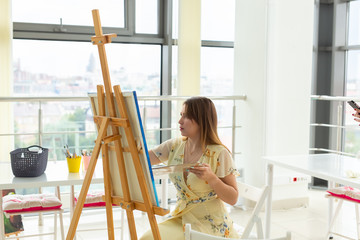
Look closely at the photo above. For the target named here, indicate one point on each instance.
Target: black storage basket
(26, 163)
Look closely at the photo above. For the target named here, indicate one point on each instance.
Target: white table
(56, 174)
(330, 167)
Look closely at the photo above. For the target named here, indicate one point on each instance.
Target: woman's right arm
(162, 151)
(153, 158)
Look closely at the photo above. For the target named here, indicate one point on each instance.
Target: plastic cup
(74, 164)
(86, 160)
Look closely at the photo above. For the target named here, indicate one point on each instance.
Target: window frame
(330, 64)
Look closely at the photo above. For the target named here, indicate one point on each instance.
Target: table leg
(72, 204)
(270, 176)
(2, 226)
(357, 220)
(40, 222)
(331, 205)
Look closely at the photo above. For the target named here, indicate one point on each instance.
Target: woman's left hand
(225, 188)
(203, 171)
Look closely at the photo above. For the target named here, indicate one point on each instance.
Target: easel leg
(107, 187)
(87, 180)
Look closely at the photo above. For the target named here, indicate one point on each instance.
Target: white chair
(257, 195)
(56, 211)
(248, 192)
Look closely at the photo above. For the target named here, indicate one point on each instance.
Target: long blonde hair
(202, 110)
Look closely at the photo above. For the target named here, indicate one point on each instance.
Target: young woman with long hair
(203, 188)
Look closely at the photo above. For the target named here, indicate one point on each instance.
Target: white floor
(305, 223)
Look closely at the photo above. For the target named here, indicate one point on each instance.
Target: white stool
(343, 194)
(34, 203)
(94, 201)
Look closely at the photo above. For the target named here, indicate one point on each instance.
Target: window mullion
(130, 16)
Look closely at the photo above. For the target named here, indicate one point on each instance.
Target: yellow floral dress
(197, 202)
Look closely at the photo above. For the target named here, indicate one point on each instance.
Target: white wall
(290, 44)
(273, 65)
(250, 79)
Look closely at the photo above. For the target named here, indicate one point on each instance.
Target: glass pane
(76, 142)
(353, 74)
(175, 117)
(217, 71)
(68, 123)
(175, 19)
(217, 20)
(352, 140)
(71, 12)
(224, 112)
(352, 133)
(354, 23)
(23, 141)
(67, 116)
(225, 137)
(150, 116)
(174, 78)
(146, 16)
(64, 68)
(26, 121)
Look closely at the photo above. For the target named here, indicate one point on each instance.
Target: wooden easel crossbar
(110, 139)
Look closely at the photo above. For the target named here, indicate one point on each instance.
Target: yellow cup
(74, 164)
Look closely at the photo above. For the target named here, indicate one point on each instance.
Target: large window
(337, 74)
(53, 56)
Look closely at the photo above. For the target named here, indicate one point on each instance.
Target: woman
(201, 189)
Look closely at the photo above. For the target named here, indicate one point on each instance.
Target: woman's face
(188, 128)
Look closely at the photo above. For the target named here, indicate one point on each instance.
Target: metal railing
(339, 125)
(157, 99)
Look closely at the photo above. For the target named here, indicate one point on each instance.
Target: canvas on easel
(133, 111)
(128, 179)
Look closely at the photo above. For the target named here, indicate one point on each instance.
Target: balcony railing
(338, 126)
(39, 130)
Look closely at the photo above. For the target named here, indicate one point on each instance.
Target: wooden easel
(103, 140)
